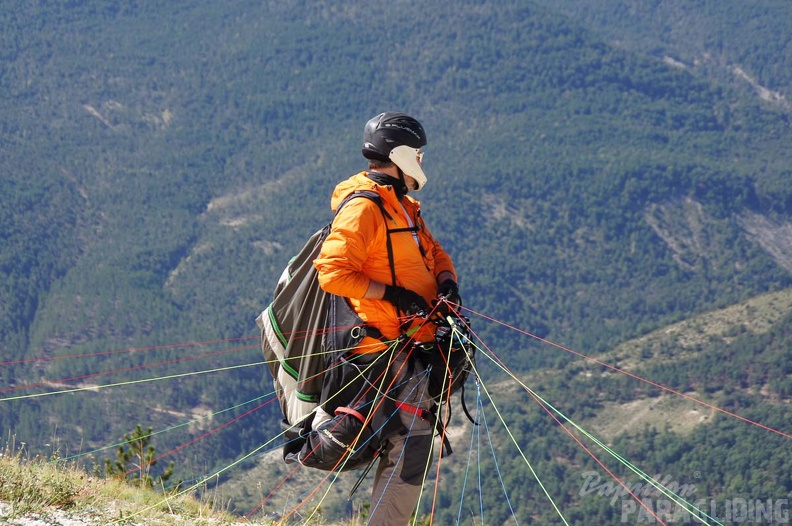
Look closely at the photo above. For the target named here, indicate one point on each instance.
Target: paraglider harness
(307, 338)
(359, 395)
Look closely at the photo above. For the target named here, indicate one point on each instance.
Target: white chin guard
(406, 158)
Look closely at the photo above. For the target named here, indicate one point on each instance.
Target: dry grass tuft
(44, 488)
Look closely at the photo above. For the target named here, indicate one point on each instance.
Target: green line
(211, 415)
(199, 483)
(654, 483)
(339, 469)
(514, 441)
(130, 382)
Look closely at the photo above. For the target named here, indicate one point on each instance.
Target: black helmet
(397, 138)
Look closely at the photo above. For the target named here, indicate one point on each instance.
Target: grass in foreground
(42, 487)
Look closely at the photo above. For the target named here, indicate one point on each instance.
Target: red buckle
(420, 412)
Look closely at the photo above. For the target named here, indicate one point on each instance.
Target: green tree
(136, 462)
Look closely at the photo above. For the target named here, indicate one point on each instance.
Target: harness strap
(351, 412)
(420, 412)
(430, 417)
(374, 196)
(377, 199)
(389, 245)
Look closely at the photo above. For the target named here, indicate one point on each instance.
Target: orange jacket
(356, 252)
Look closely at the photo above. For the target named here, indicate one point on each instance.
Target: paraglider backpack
(305, 332)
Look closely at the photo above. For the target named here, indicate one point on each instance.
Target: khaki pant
(403, 467)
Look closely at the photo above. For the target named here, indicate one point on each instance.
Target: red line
(132, 350)
(357, 438)
(447, 378)
(206, 434)
(622, 371)
(587, 450)
(125, 369)
(343, 458)
(276, 488)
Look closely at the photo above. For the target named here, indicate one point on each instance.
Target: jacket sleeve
(443, 262)
(345, 250)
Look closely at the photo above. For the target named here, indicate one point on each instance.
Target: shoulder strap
(367, 194)
(374, 196)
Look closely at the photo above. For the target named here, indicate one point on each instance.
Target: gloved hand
(450, 291)
(405, 300)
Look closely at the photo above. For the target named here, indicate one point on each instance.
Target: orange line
(587, 450)
(622, 371)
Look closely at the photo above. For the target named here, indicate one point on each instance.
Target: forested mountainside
(745, 44)
(161, 162)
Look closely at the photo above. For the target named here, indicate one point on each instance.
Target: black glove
(450, 291)
(405, 300)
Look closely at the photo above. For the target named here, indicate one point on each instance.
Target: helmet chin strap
(404, 188)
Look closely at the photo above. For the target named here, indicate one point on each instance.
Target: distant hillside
(745, 44)
(161, 162)
(705, 347)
